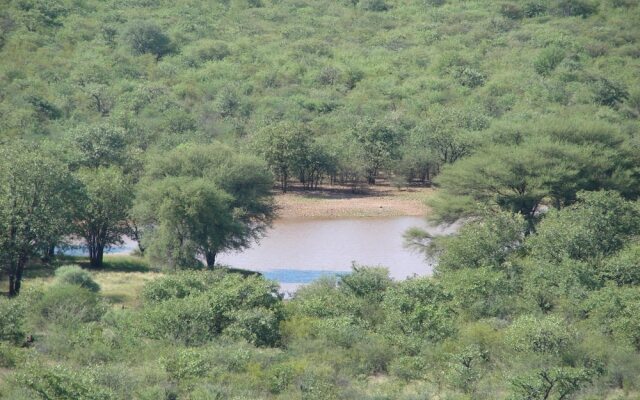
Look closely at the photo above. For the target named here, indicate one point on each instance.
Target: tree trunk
(12, 285)
(15, 278)
(285, 179)
(135, 235)
(211, 259)
(18, 282)
(96, 255)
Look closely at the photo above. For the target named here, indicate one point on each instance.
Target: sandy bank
(340, 202)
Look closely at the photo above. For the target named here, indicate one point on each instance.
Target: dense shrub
(207, 50)
(480, 292)
(74, 275)
(548, 60)
(418, 306)
(469, 77)
(147, 37)
(186, 364)
(11, 319)
(482, 243)
(367, 282)
(608, 92)
(259, 326)
(575, 8)
(535, 8)
(624, 267)
(598, 225)
(178, 286)
(374, 5)
(61, 382)
(616, 313)
(512, 10)
(249, 308)
(539, 335)
(321, 299)
(8, 356)
(66, 304)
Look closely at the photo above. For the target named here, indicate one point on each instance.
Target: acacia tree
(37, 200)
(194, 220)
(201, 200)
(99, 145)
(380, 145)
(148, 38)
(519, 178)
(284, 146)
(102, 217)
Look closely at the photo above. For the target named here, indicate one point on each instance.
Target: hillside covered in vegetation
(172, 122)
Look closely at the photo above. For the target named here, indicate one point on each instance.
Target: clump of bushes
(11, 320)
(67, 304)
(548, 60)
(207, 50)
(74, 275)
(148, 38)
(576, 8)
(374, 5)
(206, 305)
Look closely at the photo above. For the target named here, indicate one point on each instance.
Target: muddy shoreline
(341, 202)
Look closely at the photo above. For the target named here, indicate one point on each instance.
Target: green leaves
(247, 308)
(103, 216)
(418, 306)
(199, 201)
(597, 226)
(38, 196)
(147, 37)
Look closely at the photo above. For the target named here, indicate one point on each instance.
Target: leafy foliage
(74, 275)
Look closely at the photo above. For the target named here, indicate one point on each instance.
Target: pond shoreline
(344, 202)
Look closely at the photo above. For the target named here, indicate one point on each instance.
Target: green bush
(11, 320)
(371, 355)
(549, 334)
(179, 285)
(548, 60)
(512, 10)
(8, 356)
(469, 77)
(279, 377)
(608, 92)
(366, 282)
(186, 364)
(624, 267)
(207, 50)
(341, 331)
(61, 382)
(480, 292)
(408, 367)
(249, 307)
(74, 275)
(534, 9)
(576, 8)
(259, 326)
(616, 313)
(374, 5)
(67, 304)
(322, 299)
(147, 37)
(419, 306)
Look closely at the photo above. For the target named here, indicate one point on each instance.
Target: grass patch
(122, 289)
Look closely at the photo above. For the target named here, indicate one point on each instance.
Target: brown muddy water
(298, 251)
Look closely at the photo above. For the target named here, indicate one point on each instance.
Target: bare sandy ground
(340, 202)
